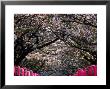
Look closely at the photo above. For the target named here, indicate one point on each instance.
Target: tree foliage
(72, 38)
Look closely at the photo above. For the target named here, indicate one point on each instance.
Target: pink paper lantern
(95, 70)
(28, 73)
(25, 72)
(14, 71)
(31, 72)
(22, 71)
(18, 70)
(90, 71)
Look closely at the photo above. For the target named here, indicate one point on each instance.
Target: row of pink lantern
(89, 71)
(18, 71)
